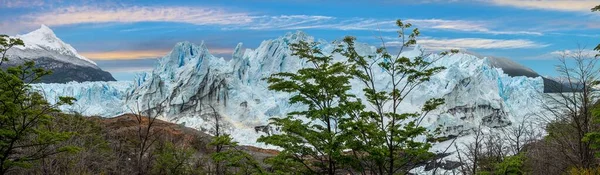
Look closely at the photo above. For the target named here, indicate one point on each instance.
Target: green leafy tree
(593, 137)
(25, 115)
(231, 159)
(173, 160)
(314, 145)
(227, 156)
(384, 139)
(511, 165)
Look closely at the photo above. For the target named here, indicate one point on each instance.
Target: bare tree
(470, 157)
(570, 112)
(146, 134)
(520, 135)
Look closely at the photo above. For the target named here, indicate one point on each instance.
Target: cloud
(582, 52)
(220, 51)
(568, 53)
(21, 4)
(299, 22)
(574, 6)
(229, 20)
(142, 54)
(124, 55)
(475, 43)
(192, 15)
(465, 26)
(129, 69)
(287, 22)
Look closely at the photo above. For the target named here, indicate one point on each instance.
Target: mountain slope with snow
(50, 52)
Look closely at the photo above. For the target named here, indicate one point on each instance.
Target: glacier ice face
(189, 79)
(93, 98)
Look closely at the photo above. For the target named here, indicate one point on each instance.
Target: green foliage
(172, 160)
(90, 154)
(232, 160)
(584, 171)
(315, 145)
(595, 9)
(384, 140)
(593, 137)
(25, 115)
(339, 132)
(6, 43)
(509, 165)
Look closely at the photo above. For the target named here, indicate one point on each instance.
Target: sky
(126, 37)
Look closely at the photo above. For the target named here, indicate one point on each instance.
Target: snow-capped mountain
(50, 52)
(189, 79)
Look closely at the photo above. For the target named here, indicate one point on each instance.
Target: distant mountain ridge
(514, 69)
(51, 53)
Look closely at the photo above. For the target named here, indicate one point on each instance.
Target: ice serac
(189, 80)
(48, 51)
(181, 81)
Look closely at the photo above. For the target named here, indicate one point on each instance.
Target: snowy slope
(45, 39)
(189, 79)
(48, 51)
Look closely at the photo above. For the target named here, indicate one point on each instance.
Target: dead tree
(569, 112)
(520, 135)
(470, 157)
(146, 135)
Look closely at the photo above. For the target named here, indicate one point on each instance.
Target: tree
(172, 160)
(315, 145)
(25, 115)
(570, 113)
(232, 160)
(384, 139)
(519, 135)
(146, 136)
(471, 155)
(227, 157)
(94, 156)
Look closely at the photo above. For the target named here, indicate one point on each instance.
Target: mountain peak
(44, 32)
(45, 29)
(44, 38)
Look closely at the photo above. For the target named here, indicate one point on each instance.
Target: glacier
(93, 98)
(189, 79)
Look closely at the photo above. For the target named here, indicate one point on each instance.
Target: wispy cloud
(129, 69)
(581, 52)
(195, 15)
(299, 22)
(21, 4)
(475, 43)
(568, 53)
(557, 5)
(220, 51)
(465, 26)
(142, 54)
(229, 20)
(124, 55)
